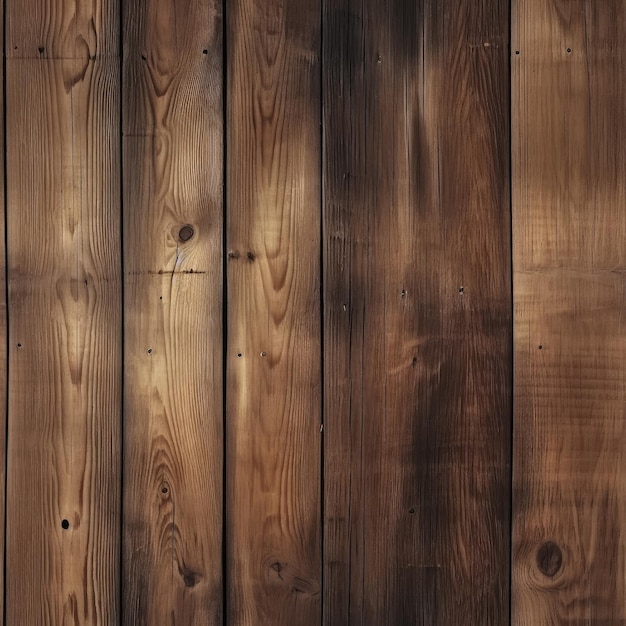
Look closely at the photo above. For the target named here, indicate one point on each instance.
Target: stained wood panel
(570, 335)
(417, 312)
(63, 221)
(273, 416)
(172, 100)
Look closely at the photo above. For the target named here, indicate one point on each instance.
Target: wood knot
(549, 559)
(186, 232)
(190, 578)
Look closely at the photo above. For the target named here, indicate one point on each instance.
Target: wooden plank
(63, 483)
(570, 334)
(273, 359)
(172, 153)
(417, 312)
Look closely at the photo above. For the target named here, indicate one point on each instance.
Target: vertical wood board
(569, 229)
(63, 221)
(273, 417)
(173, 216)
(417, 312)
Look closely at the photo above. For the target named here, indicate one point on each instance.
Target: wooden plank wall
(314, 312)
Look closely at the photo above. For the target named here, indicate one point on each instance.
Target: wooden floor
(315, 312)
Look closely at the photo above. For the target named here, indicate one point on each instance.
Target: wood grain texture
(60, 29)
(569, 230)
(63, 220)
(273, 360)
(173, 219)
(417, 312)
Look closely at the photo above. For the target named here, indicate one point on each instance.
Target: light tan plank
(64, 338)
(273, 360)
(173, 308)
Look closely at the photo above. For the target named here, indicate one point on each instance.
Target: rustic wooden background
(315, 312)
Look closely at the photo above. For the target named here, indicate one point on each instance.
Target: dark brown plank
(417, 312)
(569, 229)
(273, 360)
(173, 219)
(63, 221)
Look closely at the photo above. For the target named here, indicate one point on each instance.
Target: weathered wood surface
(273, 415)
(63, 221)
(417, 312)
(173, 216)
(569, 192)
(205, 262)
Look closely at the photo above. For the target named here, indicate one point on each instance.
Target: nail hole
(205, 52)
(540, 347)
(185, 233)
(403, 293)
(517, 52)
(411, 510)
(238, 355)
(160, 297)
(65, 524)
(143, 57)
(41, 49)
(263, 353)
(149, 350)
(250, 256)
(569, 50)
(164, 490)
(19, 345)
(461, 289)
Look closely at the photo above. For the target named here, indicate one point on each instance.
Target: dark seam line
(509, 90)
(122, 308)
(322, 313)
(224, 313)
(6, 297)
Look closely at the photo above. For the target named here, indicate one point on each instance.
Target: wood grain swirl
(417, 312)
(173, 218)
(570, 333)
(273, 359)
(63, 483)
